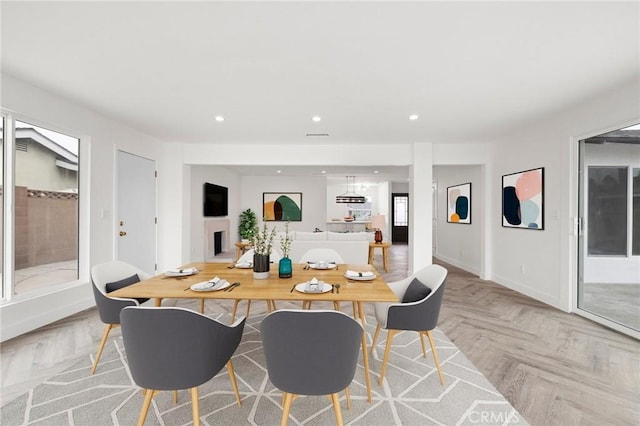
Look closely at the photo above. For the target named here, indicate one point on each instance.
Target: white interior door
(136, 198)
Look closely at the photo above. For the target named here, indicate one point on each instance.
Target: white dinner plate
(209, 286)
(359, 278)
(181, 272)
(329, 266)
(243, 265)
(325, 288)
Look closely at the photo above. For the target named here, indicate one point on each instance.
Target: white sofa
(353, 247)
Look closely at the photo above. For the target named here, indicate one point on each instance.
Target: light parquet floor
(554, 368)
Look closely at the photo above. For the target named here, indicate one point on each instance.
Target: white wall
(220, 176)
(383, 207)
(420, 207)
(313, 190)
(100, 139)
(400, 187)
(548, 257)
(460, 244)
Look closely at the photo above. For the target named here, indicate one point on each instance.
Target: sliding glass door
(609, 237)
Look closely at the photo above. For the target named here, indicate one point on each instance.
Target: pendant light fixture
(350, 196)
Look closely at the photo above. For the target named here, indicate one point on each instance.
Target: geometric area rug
(410, 395)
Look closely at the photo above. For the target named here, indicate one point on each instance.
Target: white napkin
(354, 274)
(244, 264)
(216, 283)
(182, 271)
(313, 286)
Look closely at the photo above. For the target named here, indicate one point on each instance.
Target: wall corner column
(420, 207)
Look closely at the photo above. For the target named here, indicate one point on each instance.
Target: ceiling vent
(318, 134)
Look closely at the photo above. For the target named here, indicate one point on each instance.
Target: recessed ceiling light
(324, 171)
(278, 171)
(219, 118)
(413, 117)
(316, 118)
(375, 171)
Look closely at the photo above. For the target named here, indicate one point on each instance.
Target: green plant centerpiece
(262, 241)
(285, 269)
(248, 225)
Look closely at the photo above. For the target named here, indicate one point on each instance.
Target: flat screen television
(216, 200)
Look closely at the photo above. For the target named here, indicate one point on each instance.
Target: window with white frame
(44, 186)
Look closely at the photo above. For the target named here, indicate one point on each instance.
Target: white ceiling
(473, 71)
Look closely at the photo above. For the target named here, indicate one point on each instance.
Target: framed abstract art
(459, 203)
(523, 199)
(282, 206)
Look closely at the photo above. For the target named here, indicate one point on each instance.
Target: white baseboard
(456, 262)
(22, 316)
(528, 291)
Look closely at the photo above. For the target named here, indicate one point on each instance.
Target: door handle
(123, 233)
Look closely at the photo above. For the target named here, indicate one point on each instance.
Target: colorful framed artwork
(523, 199)
(459, 203)
(282, 206)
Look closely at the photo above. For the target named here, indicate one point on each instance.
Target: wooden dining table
(272, 288)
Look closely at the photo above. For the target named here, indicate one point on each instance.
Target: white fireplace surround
(210, 227)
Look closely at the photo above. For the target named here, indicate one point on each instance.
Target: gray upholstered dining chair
(106, 277)
(421, 297)
(311, 353)
(171, 348)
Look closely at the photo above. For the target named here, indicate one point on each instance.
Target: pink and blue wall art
(523, 199)
(459, 203)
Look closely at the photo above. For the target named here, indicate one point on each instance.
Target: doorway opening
(400, 218)
(609, 231)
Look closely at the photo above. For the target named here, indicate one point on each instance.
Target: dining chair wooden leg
(195, 406)
(202, 306)
(335, 398)
(435, 356)
(387, 349)
(248, 307)
(145, 406)
(424, 348)
(347, 393)
(105, 334)
(336, 305)
(234, 383)
(365, 353)
(293, 398)
(235, 310)
(271, 305)
(375, 337)
(355, 309)
(286, 407)
(175, 396)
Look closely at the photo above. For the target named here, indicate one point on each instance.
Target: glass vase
(285, 268)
